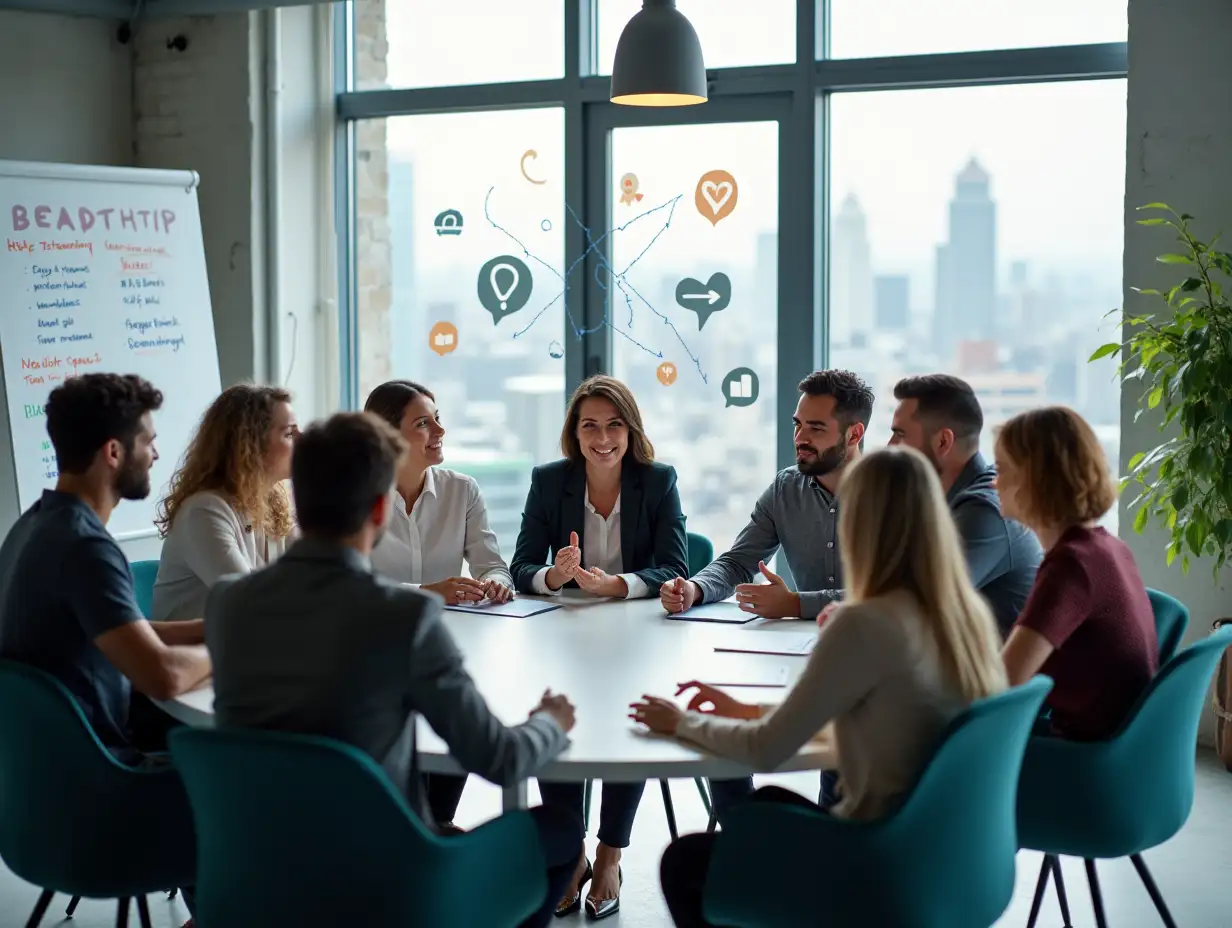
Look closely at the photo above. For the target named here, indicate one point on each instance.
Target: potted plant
(1181, 354)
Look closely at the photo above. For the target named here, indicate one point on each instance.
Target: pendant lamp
(658, 59)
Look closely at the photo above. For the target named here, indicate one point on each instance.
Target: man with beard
(318, 644)
(940, 416)
(798, 512)
(67, 603)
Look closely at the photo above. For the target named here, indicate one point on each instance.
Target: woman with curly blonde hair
(228, 510)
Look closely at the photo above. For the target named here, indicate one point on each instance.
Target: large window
(694, 308)
(900, 205)
(978, 231)
(460, 275)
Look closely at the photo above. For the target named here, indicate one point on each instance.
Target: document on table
(727, 613)
(788, 644)
(515, 608)
(748, 679)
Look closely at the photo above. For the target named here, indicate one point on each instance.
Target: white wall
(1179, 151)
(70, 92)
(65, 90)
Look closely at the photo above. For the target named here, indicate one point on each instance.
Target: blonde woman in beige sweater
(910, 647)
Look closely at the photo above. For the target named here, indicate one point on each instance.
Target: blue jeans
(829, 796)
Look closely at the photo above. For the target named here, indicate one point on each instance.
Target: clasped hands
(457, 591)
(568, 566)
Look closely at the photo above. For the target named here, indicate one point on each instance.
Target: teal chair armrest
(500, 868)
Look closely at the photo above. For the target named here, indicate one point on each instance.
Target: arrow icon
(705, 299)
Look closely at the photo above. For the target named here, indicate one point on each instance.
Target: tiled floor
(1192, 870)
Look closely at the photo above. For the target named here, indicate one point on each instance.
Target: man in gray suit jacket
(318, 644)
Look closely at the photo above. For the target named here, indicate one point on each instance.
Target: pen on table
(756, 686)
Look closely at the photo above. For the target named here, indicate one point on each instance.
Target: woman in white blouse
(228, 510)
(439, 519)
(911, 646)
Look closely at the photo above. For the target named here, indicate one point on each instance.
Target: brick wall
(374, 260)
(199, 109)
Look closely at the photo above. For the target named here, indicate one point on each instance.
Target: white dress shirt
(448, 522)
(601, 549)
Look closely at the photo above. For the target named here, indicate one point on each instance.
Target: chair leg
(1156, 897)
(40, 908)
(1062, 899)
(1097, 898)
(72, 906)
(705, 794)
(1040, 886)
(143, 912)
(122, 912)
(669, 809)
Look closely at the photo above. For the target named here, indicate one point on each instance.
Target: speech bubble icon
(741, 387)
(504, 286)
(704, 299)
(666, 373)
(716, 195)
(443, 338)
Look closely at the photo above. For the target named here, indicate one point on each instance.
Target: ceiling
(124, 9)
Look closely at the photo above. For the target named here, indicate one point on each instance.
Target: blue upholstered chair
(300, 830)
(1171, 620)
(943, 859)
(144, 574)
(75, 820)
(1122, 796)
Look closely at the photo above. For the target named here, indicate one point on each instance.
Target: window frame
(799, 93)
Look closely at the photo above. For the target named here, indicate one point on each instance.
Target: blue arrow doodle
(619, 278)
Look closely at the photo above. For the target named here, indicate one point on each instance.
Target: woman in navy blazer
(606, 519)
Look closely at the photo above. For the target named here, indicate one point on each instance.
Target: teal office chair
(144, 574)
(75, 820)
(1171, 620)
(1122, 796)
(943, 859)
(701, 553)
(300, 830)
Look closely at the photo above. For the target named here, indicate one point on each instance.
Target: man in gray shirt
(797, 512)
(318, 644)
(940, 416)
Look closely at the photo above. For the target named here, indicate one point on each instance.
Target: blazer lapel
(573, 508)
(630, 519)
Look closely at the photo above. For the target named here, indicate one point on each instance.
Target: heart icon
(710, 190)
(704, 299)
(716, 195)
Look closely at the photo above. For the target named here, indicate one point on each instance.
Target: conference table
(603, 654)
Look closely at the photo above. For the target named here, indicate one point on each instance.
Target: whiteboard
(102, 269)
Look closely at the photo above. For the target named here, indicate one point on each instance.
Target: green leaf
(1136, 459)
(1173, 551)
(1154, 397)
(1180, 496)
(1174, 259)
(1140, 519)
(1104, 350)
(1191, 284)
(1158, 221)
(1156, 206)
(1150, 291)
(1195, 537)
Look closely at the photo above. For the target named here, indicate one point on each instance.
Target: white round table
(602, 654)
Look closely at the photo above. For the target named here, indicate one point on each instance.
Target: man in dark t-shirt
(67, 604)
(63, 582)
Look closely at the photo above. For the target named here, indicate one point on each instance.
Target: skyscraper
(966, 305)
(851, 275)
(893, 301)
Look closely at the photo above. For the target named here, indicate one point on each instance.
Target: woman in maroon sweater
(1087, 622)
